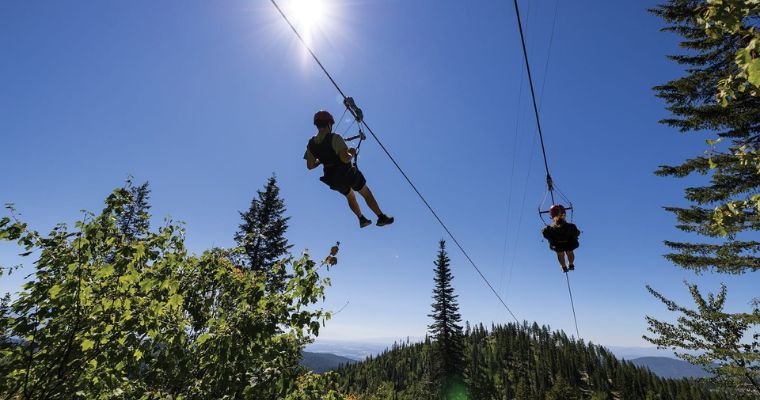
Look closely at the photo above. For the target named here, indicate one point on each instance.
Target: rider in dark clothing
(562, 237)
(330, 150)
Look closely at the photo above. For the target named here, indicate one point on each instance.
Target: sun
(308, 16)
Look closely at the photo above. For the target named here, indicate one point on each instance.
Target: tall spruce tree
(134, 220)
(262, 232)
(448, 349)
(725, 210)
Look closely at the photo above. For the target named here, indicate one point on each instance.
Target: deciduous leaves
(115, 310)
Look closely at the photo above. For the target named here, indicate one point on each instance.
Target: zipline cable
(530, 162)
(361, 120)
(533, 96)
(549, 182)
(567, 276)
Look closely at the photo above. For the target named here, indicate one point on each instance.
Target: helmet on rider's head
(556, 210)
(322, 118)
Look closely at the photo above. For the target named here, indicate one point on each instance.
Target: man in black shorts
(330, 150)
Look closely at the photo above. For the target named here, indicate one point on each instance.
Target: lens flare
(308, 16)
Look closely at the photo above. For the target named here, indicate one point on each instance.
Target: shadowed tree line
(523, 362)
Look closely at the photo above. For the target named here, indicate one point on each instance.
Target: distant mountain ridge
(354, 350)
(666, 367)
(323, 362)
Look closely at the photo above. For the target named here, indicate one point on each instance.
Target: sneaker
(384, 220)
(564, 269)
(571, 267)
(364, 222)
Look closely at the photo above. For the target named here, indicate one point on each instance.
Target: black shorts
(344, 179)
(564, 245)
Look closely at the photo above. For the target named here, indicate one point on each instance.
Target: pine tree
(262, 233)
(522, 392)
(728, 205)
(726, 208)
(132, 215)
(446, 329)
(561, 390)
(134, 220)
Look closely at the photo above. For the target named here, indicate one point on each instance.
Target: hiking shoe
(571, 267)
(564, 269)
(364, 222)
(384, 220)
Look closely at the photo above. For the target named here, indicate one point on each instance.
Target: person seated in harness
(562, 237)
(330, 150)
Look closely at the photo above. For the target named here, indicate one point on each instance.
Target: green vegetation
(506, 362)
(447, 361)
(262, 232)
(735, 21)
(117, 311)
(525, 362)
(720, 57)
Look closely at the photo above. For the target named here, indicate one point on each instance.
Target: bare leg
(570, 257)
(561, 258)
(351, 197)
(370, 199)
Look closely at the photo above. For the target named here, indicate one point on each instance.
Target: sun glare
(308, 15)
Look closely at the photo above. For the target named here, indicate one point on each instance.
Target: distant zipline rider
(339, 173)
(562, 237)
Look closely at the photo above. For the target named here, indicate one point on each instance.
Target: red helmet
(557, 209)
(322, 117)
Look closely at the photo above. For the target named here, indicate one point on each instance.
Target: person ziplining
(330, 150)
(336, 152)
(562, 237)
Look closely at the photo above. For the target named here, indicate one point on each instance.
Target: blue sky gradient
(205, 100)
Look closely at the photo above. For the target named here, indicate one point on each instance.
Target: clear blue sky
(207, 99)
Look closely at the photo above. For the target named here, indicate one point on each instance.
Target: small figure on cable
(330, 150)
(562, 237)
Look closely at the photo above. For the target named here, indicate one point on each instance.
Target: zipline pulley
(355, 111)
(544, 209)
(359, 118)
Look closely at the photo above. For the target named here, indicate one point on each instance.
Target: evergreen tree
(601, 396)
(728, 205)
(522, 392)
(561, 390)
(134, 219)
(446, 329)
(262, 232)
(726, 209)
